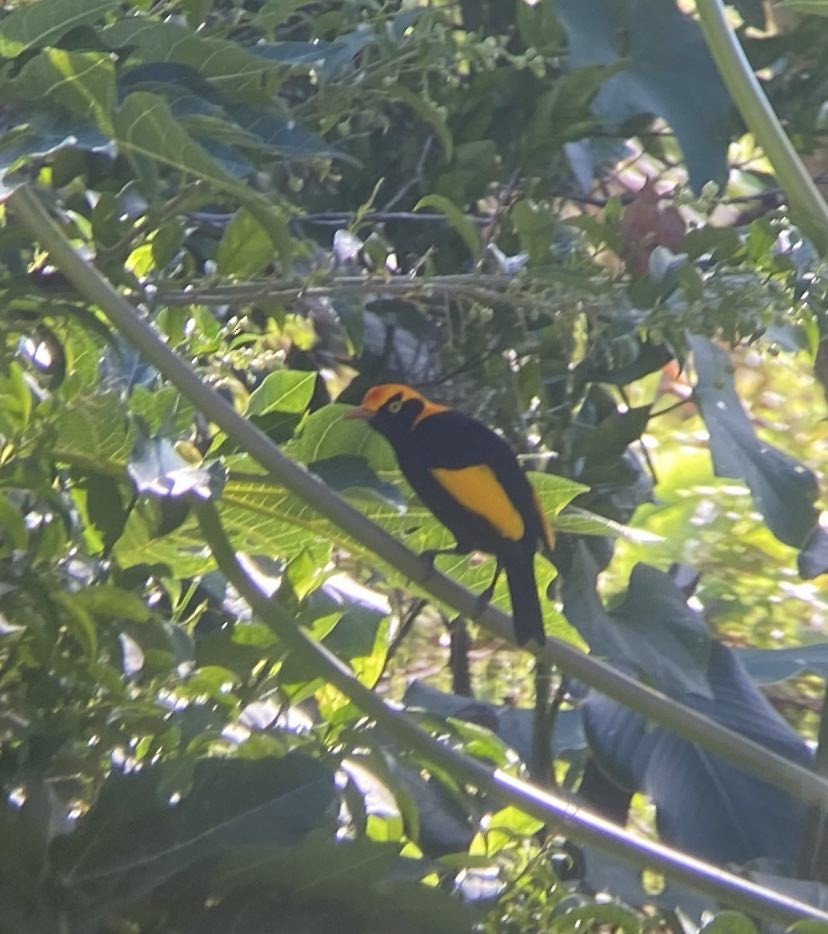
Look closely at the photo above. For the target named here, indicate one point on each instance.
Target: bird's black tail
(523, 589)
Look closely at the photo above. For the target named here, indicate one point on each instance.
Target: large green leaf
(82, 82)
(653, 633)
(669, 73)
(133, 839)
(45, 23)
(93, 430)
(767, 666)
(145, 128)
(783, 489)
(226, 65)
(704, 805)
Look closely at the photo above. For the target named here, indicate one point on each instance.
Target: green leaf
(132, 839)
(226, 65)
(245, 249)
(146, 129)
(663, 47)
(768, 666)
(93, 430)
(458, 220)
(82, 82)
(653, 633)
(145, 126)
(46, 22)
(555, 492)
(326, 434)
(729, 922)
(783, 489)
(288, 391)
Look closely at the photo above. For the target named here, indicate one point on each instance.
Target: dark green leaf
(132, 839)
(82, 82)
(45, 22)
(665, 46)
(653, 633)
(783, 489)
(768, 666)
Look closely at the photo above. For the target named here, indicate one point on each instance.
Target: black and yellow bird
(470, 478)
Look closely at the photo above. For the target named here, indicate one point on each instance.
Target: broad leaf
(665, 47)
(82, 82)
(513, 725)
(783, 489)
(226, 65)
(46, 22)
(768, 666)
(133, 839)
(653, 633)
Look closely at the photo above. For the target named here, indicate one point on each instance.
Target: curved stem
(746, 754)
(803, 195)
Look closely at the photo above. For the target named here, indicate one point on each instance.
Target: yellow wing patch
(478, 490)
(546, 529)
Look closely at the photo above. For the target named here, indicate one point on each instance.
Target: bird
(469, 477)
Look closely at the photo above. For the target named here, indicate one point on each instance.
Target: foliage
(304, 199)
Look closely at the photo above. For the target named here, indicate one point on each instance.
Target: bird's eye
(395, 406)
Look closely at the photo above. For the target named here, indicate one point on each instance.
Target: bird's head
(394, 409)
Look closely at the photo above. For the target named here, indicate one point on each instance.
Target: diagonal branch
(565, 815)
(746, 754)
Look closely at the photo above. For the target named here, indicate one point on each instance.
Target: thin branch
(796, 779)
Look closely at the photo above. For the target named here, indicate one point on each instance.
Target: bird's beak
(360, 412)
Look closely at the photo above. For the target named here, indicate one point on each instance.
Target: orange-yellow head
(394, 402)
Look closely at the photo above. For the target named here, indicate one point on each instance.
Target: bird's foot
(482, 601)
(429, 556)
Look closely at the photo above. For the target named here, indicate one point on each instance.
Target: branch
(803, 195)
(746, 754)
(565, 815)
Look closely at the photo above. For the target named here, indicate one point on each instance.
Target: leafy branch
(732, 747)
(578, 823)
